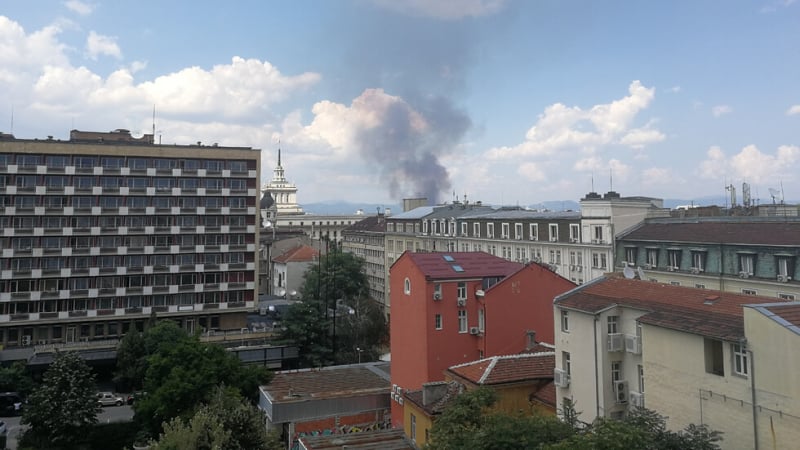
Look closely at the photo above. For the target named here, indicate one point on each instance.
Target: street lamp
(359, 350)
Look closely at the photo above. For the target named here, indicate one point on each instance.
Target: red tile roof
(474, 265)
(750, 232)
(547, 395)
(788, 312)
(700, 311)
(454, 388)
(301, 253)
(507, 369)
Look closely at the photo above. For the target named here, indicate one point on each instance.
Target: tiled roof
(301, 253)
(547, 394)
(700, 311)
(392, 439)
(507, 369)
(336, 381)
(781, 233)
(453, 389)
(474, 265)
(372, 223)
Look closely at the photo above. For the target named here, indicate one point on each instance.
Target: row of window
(127, 281)
(463, 322)
(117, 162)
(131, 262)
(448, 228)
(132, 202)
(59, 182)
(130, 301)
(61, 222)
(112, 242)
(697, 258)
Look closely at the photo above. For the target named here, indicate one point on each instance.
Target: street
(108, 414)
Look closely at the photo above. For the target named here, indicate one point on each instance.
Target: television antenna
(774, 193)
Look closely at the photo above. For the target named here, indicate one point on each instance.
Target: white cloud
(751, 164)
(793, 110)
(561, 127)
(97, 44)
(721, 110)
(82, 8)
(532, 172)
(659, 177)
(675, 89)
(443, 9)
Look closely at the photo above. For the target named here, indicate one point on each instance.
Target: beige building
(366, 240)
(102, 230)
(694, 356)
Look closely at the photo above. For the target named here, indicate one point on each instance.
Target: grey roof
(450, 211)
(416, 213)
(522, 214)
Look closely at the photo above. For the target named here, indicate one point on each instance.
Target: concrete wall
(579, 341)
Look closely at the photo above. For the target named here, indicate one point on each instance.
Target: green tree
(336, 317)
(227, 422)
(136, 347)
(62, 410)
(183, 374)
(15, 378)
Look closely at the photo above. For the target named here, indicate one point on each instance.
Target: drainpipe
(753, 396)
(596, 374)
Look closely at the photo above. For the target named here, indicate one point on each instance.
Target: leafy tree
(15, 378)
(183, 374)
(336, 288)
(61, 412)
(227, 422)
(136, 347)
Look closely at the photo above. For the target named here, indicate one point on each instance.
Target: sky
(371, 101)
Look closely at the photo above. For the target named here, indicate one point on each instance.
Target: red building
(452, 308)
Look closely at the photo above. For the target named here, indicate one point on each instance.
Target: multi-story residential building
(289, 269)
(366, 240)
(682, 352)
(103, 230)
(452, 308)
(749, 255)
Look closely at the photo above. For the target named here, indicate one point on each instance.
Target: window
(786, 296)
(599, 260)
(699, 261)
(505, 230)
(574, 233)
(407, 286)
(464, 228)
(616, 371)
(652, 258)
(518, 231)
(413, 428)
(534, 231)
(749, 292)
(553, 228)
(462, 320)
(630, 255)
(462, 290)
(565, 321)
(476, 230)
(437, 320)
(490, 230)
(740, 361)
(784, 266)
(713, 357)
(597, 234)
(674, 259)
(566, 363)
(640, 372)
(613, 324)
(481, 320)
(746, 264)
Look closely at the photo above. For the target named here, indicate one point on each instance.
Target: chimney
(433, 392)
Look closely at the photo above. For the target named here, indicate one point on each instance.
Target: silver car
(109, 399)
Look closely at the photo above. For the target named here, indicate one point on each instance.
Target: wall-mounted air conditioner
(437, 296)
(633, 344)
(621, 391)
(560, 378)
(474, 331)
(615, 342)
(784, 278)
(636, 399)
(461, 302)
(744, 274)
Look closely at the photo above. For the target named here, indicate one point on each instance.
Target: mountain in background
(347, 208)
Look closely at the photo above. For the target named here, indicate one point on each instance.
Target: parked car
(10, 404)
(136, 396)
(109, 399)
(3, 428)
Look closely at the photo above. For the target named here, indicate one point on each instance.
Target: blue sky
(511, 102)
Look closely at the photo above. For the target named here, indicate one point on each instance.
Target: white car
(109, 399)
(3, 428)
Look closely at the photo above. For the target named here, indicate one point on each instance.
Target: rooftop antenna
(12, 119)
(592, 181)
(611, 179)
(773, 193)
(154, 121)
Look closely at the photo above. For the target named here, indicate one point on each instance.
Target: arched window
(407, 286)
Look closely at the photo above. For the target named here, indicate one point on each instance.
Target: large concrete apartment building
(103, 230)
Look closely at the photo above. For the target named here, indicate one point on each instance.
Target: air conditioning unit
(437, 296)
(621, 391)
(574, 240)
(461, 302)
(579, 268)
(400, 400)
(744, 274)
(26, 340)
(560, 378)
(553, 239)
(784, 278)
(633, 344)
(474, 330)
(615, 342)
(636, 399)
(695, 270)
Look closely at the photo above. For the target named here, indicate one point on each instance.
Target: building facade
(452, 308)
(103, 230)
(749, 255)
(282, 192)
(366, 240)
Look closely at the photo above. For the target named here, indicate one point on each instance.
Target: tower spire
(279, 152)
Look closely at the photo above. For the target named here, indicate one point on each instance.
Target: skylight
(457, 268)
(448, 258)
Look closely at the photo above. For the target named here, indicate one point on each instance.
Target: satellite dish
(640, 272)
(267, 224)
(628, 272)
(281, 292)
(293, 294)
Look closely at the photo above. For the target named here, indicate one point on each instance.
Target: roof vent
(711, 299)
